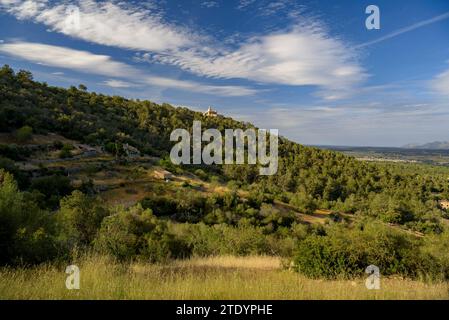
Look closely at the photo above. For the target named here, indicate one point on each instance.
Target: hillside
(326, 179)
(90, 173)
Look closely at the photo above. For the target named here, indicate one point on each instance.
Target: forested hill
(93, 118)
(308, 178)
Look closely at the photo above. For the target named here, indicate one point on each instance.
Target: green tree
(304, 202)
(26, 231)
(79, 218)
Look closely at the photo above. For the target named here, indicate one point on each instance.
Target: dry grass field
(222, 277)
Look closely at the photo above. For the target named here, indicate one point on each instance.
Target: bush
(137, 233)
(257, 197)
(186, 207)
(201, 174)
(160, 205)
(66, 151)
(185, 184)
(10, 166)
(14, 152)
(304, 203)
(58, 145)
(222, 239)
(114, 148)
(344, 253)
(437, 248)
(24, 134)
(53, 187)
(274, 219)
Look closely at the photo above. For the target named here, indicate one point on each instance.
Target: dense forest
(395, 209)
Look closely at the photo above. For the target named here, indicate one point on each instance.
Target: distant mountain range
(431, 145)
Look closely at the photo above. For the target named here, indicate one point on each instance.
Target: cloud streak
(406, 29)
(87, 62)
(441, 83)
(114, 83)
(61, 57)
(210, 4)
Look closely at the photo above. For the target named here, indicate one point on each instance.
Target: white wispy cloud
(114, 83)
(266, 8)
(441, 83)
(62, 57)
(87, 62)
(196, 87)
(305, 54)
(243, 4)
(210, 4)
(353, 124)
(106, 23)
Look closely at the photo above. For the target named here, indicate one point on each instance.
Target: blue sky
(308, 68)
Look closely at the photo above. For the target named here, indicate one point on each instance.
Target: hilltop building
(210, 113)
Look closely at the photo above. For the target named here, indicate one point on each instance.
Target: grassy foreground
(200, 278)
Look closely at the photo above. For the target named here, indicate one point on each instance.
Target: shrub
(257, 197)
(201, 174)
(273, 218)
(233, 185)
(66, 151)
(222, 239)
(137, 233)
(185, 184)
(24, 134)
(53, 187)
(160, 205)
(14, 152)
(215, 180)
(115, 148)
(58, 145)
(10, 166)
(87, 187)
(344, 253)
(436, 247)
(185, 207)
(300, 231)
(304, 203)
